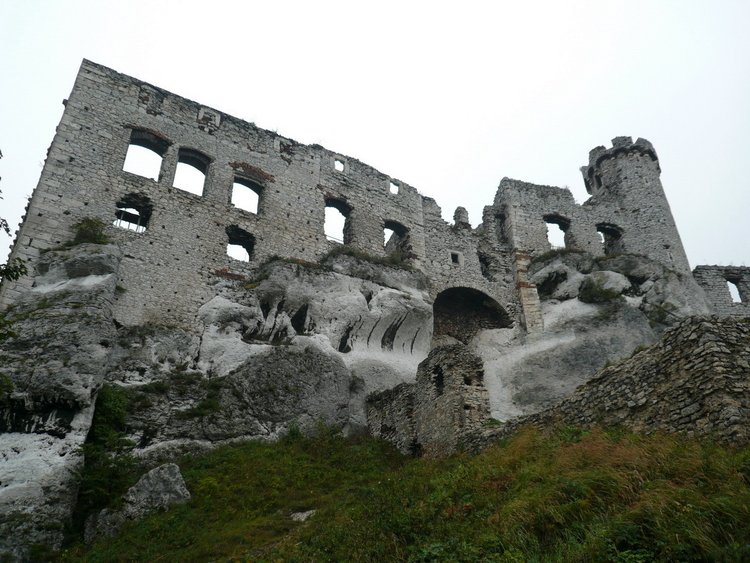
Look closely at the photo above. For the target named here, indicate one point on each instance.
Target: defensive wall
(176, 242)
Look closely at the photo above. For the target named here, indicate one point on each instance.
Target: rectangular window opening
(393, 187)
(338, 165)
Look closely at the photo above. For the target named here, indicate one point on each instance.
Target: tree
(15, 269)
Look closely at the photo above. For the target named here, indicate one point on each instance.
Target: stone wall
(715, 282)
(696, 381)
(439, 413)
(168, 268)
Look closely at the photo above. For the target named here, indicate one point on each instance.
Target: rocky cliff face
(50, 372)
(595, 310)
(297, 345)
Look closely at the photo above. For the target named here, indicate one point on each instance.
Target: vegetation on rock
(109, 467)
(89, 230)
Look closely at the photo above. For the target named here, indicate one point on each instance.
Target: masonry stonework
(168, 268)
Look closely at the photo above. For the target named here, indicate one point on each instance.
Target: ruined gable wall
(167, 271)
(713, 280)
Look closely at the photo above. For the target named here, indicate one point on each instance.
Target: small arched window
(395, 238)
(133, 212)
(192, 167)
(145, 154)
(246, 194)
(611, 236)
(240, 243)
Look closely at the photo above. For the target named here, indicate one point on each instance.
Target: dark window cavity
(133, 213)
(734, 291)
(485, 264)
(611, 236)
(192, 167)
(240, 243)
(145, 154)
(396, 239)
(557, 227)
(246, 195)
(500, 228)
(337, 226)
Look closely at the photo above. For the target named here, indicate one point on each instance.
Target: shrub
(109, 468)
(395, 259)
(89, 230)
(592, 292)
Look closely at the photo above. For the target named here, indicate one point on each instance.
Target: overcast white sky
(448, 97)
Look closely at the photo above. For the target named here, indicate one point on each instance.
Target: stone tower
(634, 215)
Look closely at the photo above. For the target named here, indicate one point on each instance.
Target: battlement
(621, 146)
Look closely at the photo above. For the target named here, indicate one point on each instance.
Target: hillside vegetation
(564, 495)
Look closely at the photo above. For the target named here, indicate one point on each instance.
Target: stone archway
(461, 312)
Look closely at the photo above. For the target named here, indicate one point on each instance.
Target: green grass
(570, 495)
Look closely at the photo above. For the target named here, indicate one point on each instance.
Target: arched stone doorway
(461, 312)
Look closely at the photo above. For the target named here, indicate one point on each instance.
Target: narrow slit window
(734, 291)
(190, 175)
(240, 243)
(246, 195)
(145, 154)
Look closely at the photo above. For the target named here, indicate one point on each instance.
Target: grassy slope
(567, 495)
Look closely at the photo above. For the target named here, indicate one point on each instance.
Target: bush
(89, 230)
(109, 468)
(395, 259)
(592, 292)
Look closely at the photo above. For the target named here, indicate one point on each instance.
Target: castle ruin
(419, 338)
(181, 238)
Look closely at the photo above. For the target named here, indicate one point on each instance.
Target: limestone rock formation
(298, 345)
(51, 371)
(158, 489)
(595, 310)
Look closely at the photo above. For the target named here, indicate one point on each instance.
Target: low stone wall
(695, 381)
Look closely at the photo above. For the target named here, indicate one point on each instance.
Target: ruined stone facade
(420, 339)
(716, 280)
(180, 239)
